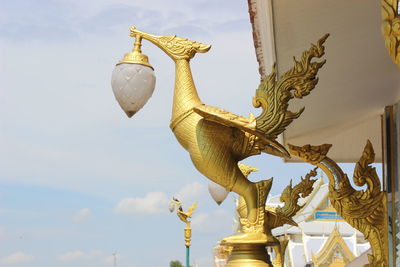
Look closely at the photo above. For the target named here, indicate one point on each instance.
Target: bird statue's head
(172, 204)
(171, 207)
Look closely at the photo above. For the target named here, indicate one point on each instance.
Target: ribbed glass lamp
(133, 80)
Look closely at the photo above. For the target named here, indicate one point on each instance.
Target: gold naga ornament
(391, 28)
(364, 210)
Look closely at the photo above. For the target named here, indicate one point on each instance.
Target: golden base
(249, 255)
(248, 250)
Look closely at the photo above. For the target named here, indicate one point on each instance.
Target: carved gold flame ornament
(391, 28)
(217, 140)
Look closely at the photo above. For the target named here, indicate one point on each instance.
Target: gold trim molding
(326, 255)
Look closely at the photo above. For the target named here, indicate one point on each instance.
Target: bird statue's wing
(191, 209)
(225, 117)
(246, 124)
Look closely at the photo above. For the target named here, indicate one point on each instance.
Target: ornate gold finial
(391, 28)
(326, 255)
(136, 56)
(364, 210)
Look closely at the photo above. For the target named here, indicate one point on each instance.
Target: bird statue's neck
(185, 94)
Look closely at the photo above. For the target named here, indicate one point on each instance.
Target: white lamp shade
(217, 192)
(133, 85)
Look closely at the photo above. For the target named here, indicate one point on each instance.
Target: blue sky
(79, 180)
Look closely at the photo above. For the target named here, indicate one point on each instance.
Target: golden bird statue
(217, 139)
(183, 216)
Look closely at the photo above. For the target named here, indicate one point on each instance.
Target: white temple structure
(323, 238)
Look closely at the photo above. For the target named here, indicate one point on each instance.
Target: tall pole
(188, 235)
(115, 259)
(184, 217)
(187, 256)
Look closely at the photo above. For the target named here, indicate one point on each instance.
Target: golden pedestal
(249, 255)
(249, 251)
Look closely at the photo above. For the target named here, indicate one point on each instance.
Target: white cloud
(214, 222)
(71, 256)
(118, 257)
(82, 215)
(191, 192)
(110, 259)
(18, 257)
(157, 202)
(152, 203)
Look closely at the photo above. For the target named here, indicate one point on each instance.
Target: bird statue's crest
(273, 94)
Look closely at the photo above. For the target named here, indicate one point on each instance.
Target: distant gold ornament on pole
(184, 217)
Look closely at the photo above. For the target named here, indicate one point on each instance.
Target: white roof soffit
(357, 82)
